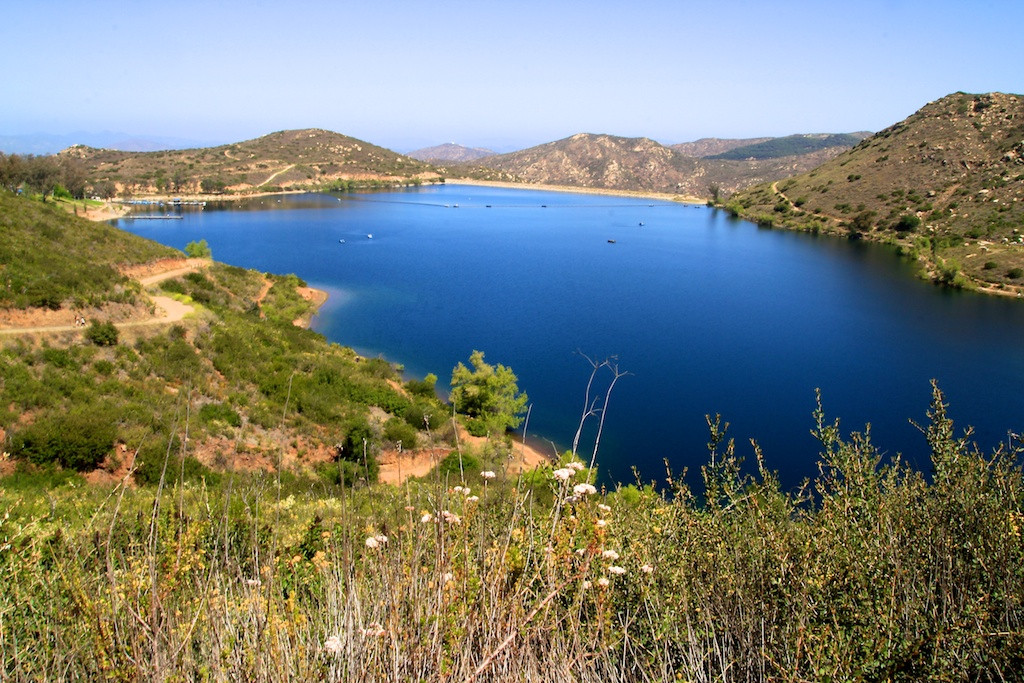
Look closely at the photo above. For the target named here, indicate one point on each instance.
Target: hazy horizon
(502, 76)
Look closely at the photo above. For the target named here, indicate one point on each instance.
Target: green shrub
(77, 440)
(102, 334)
(425, 387)
(990, 265)
(222, 412)
(198, 249)
(455, 465)
(398, 430)
(907, 223)
(1015, 273)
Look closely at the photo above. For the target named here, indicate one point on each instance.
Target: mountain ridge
(945, 186)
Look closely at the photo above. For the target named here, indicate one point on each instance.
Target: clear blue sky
(407, 74)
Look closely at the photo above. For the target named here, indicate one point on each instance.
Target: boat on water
(611, 241)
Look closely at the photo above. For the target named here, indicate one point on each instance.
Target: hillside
(450, 152)
(791, 145)
(71, 395)
(294, 159)
(64, 260)
(639, 165)
(945, 185)
(706, 147)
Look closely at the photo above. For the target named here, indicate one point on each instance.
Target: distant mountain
(791, 145)
(706, 147)
(946, 185)
(309, 158)
(450, 152)
(638, 164)
(42, 143)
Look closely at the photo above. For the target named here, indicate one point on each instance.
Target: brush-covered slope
(947, 184)
(309, 158)
(642, 165)
(49, 258)
(248, 386)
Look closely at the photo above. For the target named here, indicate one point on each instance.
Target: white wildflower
(488, 474)
(581, 551)
(450, 517)
(587, 585)
(253, 582)
(371, 542)
(562, 474)
(381, 539)
(600, 524)
(604, 508)
(618, 571)
(576, 465)
(427, 518)
(610, 555)
(465, 490)
(647, 569)
(448, 577)
(472, 499)
(457, 489)
(374, 630)
(333, 645)
(603, 582)
(584, 489)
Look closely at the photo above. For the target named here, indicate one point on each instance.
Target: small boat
(611, 241)
(641, 224)
(341, 241)
(369, 236)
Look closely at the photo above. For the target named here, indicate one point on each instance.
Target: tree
(487, 394)
(198, 249)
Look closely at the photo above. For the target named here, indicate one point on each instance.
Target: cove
(707, 314)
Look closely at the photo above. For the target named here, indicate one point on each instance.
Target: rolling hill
(450, 152)
(946, 185)
(294, 159)
(639, 165)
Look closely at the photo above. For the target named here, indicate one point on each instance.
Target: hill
(791, 145)
(945, 185)
(70, 395)
(706, 147)
(638, 165)
(51, 259)
(450, 152)
(294, 159)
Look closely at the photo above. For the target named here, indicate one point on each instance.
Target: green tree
(488, 394)
(198, 249)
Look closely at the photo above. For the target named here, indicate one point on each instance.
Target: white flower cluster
(450, 517)
(333, 645)
(375, 541)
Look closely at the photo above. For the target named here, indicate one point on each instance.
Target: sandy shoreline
(569, 189)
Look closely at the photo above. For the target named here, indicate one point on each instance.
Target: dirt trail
(168, 310)
(274, 175)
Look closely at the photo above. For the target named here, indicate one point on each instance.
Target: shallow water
(707, 315)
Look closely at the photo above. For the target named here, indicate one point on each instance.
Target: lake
(707, 314)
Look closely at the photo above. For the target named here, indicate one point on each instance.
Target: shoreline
(571, 189)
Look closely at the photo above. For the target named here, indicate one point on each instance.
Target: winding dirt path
(168, 310)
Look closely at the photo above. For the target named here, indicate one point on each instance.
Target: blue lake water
(707, 314)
